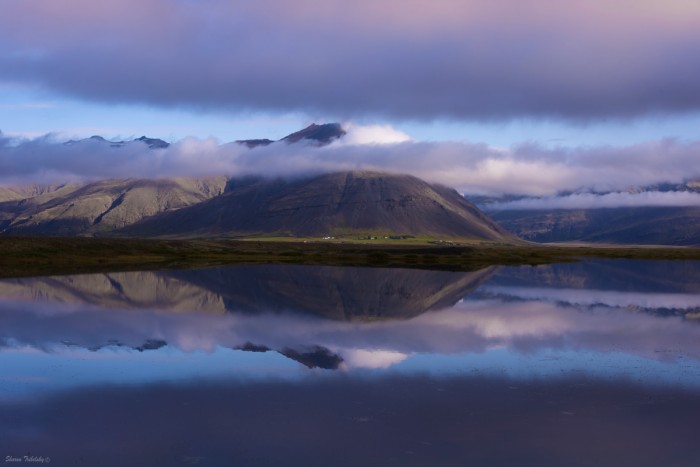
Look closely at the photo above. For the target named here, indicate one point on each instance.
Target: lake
(592, 364)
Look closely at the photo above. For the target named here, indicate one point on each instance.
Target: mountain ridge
(329, 205)
(318, 134)
(338, 204)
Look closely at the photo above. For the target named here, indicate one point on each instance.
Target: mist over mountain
(321, 181)
(335, 204)
(642, 225)
(663, 214)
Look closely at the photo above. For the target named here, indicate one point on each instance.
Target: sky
(530, 97)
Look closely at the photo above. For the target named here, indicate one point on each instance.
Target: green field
(35, 256)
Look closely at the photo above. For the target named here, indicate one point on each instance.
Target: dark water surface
(582, 364)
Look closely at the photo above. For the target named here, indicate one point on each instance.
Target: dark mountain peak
(315, 357)
(322, 134)
(153, 143)
(97, 138)
(254, 143)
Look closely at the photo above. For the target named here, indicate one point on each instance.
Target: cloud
(608, 200)
(530, 170)
(372, 134)
(592, 297)
(363, 358)
(473, 59)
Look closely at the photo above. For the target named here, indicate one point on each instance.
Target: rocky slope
(103, 206)
(329, 205)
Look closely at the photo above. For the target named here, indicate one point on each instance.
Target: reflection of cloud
(470, 326)
(361, 358)
(599, 297)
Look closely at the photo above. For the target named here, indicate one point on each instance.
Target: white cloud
(362, 358)
(530, 170)
(608, 200)
(589, 297)
(373, 134)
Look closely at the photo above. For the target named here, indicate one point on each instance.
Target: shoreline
(44, 256)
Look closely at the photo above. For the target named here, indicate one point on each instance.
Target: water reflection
(442, 318)
(406, 367)
(333, 292)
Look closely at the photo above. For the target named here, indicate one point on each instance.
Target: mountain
(367, 203)
(320, 135)
(102, 206)
(328, 205)
(152, 143)
(9, 194)
(352, 203)
(639, 225)
(254, 143)
(650, 225)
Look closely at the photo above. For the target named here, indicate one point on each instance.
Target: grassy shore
(36, 256)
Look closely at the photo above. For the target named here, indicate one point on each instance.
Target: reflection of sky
(28, 372)
(544, 333)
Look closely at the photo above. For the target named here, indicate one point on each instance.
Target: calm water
(585, 364)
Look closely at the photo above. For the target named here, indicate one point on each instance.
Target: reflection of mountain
(337, 293)
(618, 275)
(127, 290)
(661, 288)
(518, 313)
